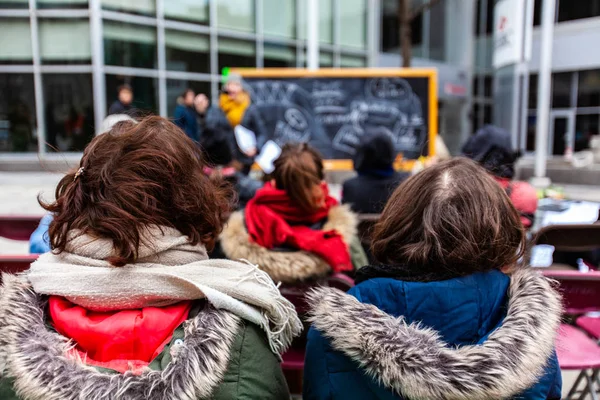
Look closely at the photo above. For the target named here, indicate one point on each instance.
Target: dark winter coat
(368, 193)
(213, 355)
(483, 336)
(185, 118)
(119, 108)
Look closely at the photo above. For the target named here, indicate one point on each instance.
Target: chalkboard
(332, 109)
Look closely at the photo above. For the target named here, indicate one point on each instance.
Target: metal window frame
(98, 70)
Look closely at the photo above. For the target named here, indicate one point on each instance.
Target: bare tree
(405, 17)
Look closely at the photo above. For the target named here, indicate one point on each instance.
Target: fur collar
(414, 362)
(39, 361)
(292, 266)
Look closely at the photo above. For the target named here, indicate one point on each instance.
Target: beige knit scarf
(168, 269)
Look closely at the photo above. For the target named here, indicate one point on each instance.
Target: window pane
(144, 7)
(176, 87)
(352, 61)
(279, 18)
(145, 92)
(389, 26)
(531, 128)
(586, 127)
(537, 13)
(62, 3)
(561, 89)
(487, 114)
(325, 59)
(65, 41)
(278, 55)
(325, 21)
(187, 51)
(437, 32)
(353, 23)
(589, 89)
(15, 41)
(14, 4)
(17, 113)
(129, 45)
(68, 111)
(577, 9)
(236, 53)
(488, 85)
(533, 87)
(187, 10)
(236, 14)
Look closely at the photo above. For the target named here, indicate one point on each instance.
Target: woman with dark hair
(491, 147)
(128, 305)
(447, 313)
(293, 229)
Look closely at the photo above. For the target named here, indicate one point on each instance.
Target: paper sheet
(245, 138)
(269, 153)
(578, 213)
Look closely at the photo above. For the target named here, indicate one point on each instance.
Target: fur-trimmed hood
(414, 362)
(285, 266)
(40, 362)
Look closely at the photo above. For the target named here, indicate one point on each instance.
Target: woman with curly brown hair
(446, 313)
(128, 305)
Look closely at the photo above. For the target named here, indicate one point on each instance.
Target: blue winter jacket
(39, 242)
(464, 311)
(185, 118)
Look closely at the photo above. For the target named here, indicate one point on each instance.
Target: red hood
(119, 340)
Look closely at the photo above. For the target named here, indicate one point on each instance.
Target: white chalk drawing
(389, 106)
(295, 126)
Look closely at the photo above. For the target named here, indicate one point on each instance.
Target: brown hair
(297, 170)
(451, 217)
(135, 175)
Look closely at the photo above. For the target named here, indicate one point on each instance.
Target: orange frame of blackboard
(430, 73)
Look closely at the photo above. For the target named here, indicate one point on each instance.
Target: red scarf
(268, 216)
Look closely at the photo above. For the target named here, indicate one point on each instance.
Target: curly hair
(137, 175)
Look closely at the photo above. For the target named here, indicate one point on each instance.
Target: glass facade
(159, 48)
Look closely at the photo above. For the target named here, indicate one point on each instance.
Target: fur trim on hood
(414, 362)
(285, 266)
(43, 368)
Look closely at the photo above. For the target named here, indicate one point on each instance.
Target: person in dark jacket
(123, 105)
(374, 162)
(236, 104)
(210, 120)
(491, 147)
(446, 313)
(185, 114)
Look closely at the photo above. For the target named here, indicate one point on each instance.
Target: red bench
(18, 227)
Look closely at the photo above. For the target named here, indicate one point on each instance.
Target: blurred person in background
(123, 105)
(293, 229)
(185, 114)
(491, 147)
(128, 304)
(447, 312)
(374, 162)
(237, 106)
(210, 117)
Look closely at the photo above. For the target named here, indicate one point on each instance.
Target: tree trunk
(404, 18)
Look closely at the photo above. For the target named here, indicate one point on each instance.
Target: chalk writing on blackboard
(335, 113)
